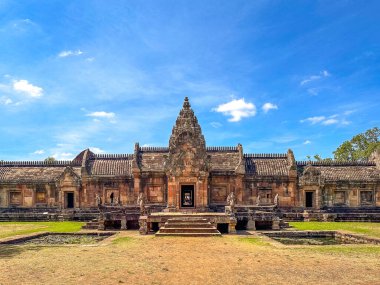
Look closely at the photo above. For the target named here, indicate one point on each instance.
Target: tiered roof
(110, 165)
(35, 171)
(331, 171)
(271, 164)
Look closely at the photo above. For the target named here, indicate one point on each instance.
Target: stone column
(136, 185)
(123, 223)
(251, 225)
(276, 224)
(232, 225)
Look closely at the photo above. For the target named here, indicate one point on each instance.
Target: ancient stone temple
(189, 177)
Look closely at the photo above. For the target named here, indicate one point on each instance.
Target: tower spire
(186, 103)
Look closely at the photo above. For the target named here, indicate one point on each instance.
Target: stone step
(184, 220)
(188, 230)
(190, 225)
(92, 225)
(158, 234)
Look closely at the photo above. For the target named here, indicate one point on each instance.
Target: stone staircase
(91, 225)
(188, 227)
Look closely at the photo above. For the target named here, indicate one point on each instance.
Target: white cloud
(27, 88)
(326, 121)
(307, 142)
(311, 78)
(5, 100)
(237, 109)
(96, 150)
(40, 151)
(67, 53)
(330, 122)
(269, 106)
(216, 125)
(314, 120)
(102, 114)
(63, 156)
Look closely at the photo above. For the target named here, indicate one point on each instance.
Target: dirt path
(227, 260)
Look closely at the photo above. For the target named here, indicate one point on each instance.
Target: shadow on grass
(7, 251)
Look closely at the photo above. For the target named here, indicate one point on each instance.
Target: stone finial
(186, 103)
(137, 147)
(291, 160)
(240, 149)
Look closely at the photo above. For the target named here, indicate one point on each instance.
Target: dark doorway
(155, 227)
(222, 228)
(309, 199)
(187, 196)
(69, 200)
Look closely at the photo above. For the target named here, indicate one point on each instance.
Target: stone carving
(98, 200)
(116, 200)
(231, 200)
(143, 226)
(275, 200)
(141, 203)
(258, 200)
(311, 176)
(187, 146)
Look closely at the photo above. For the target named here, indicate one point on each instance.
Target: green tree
(360, 147)
(50, 159)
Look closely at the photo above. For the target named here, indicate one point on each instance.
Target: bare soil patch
(133, 259)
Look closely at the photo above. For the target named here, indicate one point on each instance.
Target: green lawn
(8, 229)
(370, 229)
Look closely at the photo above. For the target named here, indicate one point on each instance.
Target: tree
(50, 159)
(360, 147)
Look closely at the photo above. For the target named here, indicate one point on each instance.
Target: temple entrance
(187, 196)
(309, 199)
(69, 200)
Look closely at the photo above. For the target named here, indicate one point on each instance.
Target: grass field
(370, 229)
(8, 229)
(131, 258)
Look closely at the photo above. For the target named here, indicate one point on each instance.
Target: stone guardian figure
(276, 200)
(258, 200)
(231, 201)
(141, 203)
(98, 200)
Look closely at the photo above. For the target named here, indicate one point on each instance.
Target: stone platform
(185, 226)
(185, 222)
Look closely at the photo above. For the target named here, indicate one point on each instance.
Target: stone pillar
(251, 225)
(123, 223)
(143, 223)
(276, 224)
(137, 185)
(232, 225)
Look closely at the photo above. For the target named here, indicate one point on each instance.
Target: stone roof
(272, 164)
(34, 171)
(110, 165)
(342, 170)
(223, 160)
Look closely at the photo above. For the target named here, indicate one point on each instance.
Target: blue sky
(271, 75)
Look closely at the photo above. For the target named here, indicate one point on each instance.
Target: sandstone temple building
(189, 176)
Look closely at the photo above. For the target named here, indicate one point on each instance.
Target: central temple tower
(187, 164)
